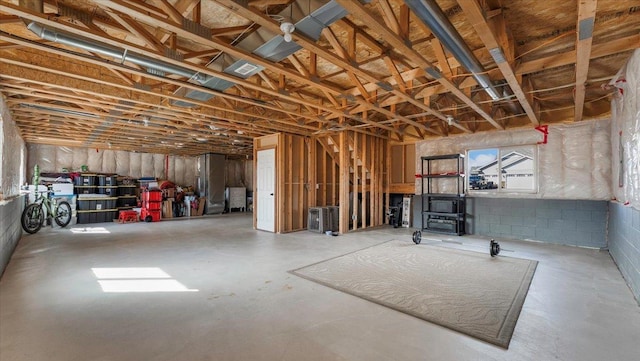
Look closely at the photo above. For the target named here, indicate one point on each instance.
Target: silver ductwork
(431, 14)
(120, 55)
(310, 18)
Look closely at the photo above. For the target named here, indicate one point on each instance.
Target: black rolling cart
(443, 211)
(443, 206)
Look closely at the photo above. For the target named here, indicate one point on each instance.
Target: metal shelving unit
(443, 212)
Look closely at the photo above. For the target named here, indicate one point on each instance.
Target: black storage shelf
(443, 212)
(448, 215)
(444, 195)
(441, 175)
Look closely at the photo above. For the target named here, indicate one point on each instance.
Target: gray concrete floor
(247, 307)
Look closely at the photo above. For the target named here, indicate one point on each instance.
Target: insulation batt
(574, 164)
(51, 159)
(13, 153)
(625, 133)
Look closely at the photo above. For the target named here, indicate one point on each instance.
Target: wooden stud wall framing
(362, 172)
(402, 168)
(326, 173)
(292, 198)
(296, 159)
(345, 157)
(310, 173)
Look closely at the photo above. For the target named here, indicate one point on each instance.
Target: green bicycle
(33, 215)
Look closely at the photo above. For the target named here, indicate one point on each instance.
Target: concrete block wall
(624, 243)
(568, 222)
(10, 229)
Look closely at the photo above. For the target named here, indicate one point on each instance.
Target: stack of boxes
(92, 209)
(151, 205)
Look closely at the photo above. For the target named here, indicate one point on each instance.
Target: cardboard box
(167, 209)
(201, 202)
(62, 189)
(169, 192)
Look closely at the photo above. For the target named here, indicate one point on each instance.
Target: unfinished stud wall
(327, 182)
(295, 171)
(363, 163)
(402, 168)
(624, 216)
(295, 164)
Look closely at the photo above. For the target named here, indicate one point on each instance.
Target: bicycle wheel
(32, 218)
(63, 214)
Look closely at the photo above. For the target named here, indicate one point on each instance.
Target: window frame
(501, 152)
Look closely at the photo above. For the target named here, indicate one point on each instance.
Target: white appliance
(406, 212)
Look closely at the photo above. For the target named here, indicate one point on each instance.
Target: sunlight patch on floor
(137, 279)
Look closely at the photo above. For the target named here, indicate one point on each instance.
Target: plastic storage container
(150, 216)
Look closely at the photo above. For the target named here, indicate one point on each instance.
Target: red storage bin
(149, 216)
(152, 206)
(153, 195)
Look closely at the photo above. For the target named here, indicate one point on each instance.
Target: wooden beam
(138, 30)
(586, 20)
(443, 63)
(344, 183)
(298, 65)
(261, 3)
(311, 45)
(171, 11)
(569, 57)
(69, 77)
(395, 73)
(232, 30)
(356, 180)
(389, 16)
(476, 17)
(358, 10)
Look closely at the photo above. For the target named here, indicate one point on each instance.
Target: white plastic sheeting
(52, 159)
(625, 133)
(13, 154)
(574, 164)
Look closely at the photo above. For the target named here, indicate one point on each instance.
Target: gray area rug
(469, 292)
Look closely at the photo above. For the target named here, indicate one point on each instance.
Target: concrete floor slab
(240, 303)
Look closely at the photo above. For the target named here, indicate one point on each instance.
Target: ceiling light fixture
(449, 119)
(287, 28)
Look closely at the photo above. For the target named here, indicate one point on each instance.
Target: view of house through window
(502, 169)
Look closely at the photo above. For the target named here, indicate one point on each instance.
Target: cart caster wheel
(417, 237)
(148, 219)
(494, 248)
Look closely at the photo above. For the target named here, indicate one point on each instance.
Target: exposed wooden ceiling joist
(379, 70)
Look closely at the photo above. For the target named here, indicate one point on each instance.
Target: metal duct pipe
(431, 14)
(112, 51)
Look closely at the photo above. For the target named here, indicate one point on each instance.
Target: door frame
(275, 189)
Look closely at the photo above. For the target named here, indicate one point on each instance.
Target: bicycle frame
(46, 203)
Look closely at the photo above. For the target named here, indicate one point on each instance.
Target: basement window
(508, 169)
(137, 279)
